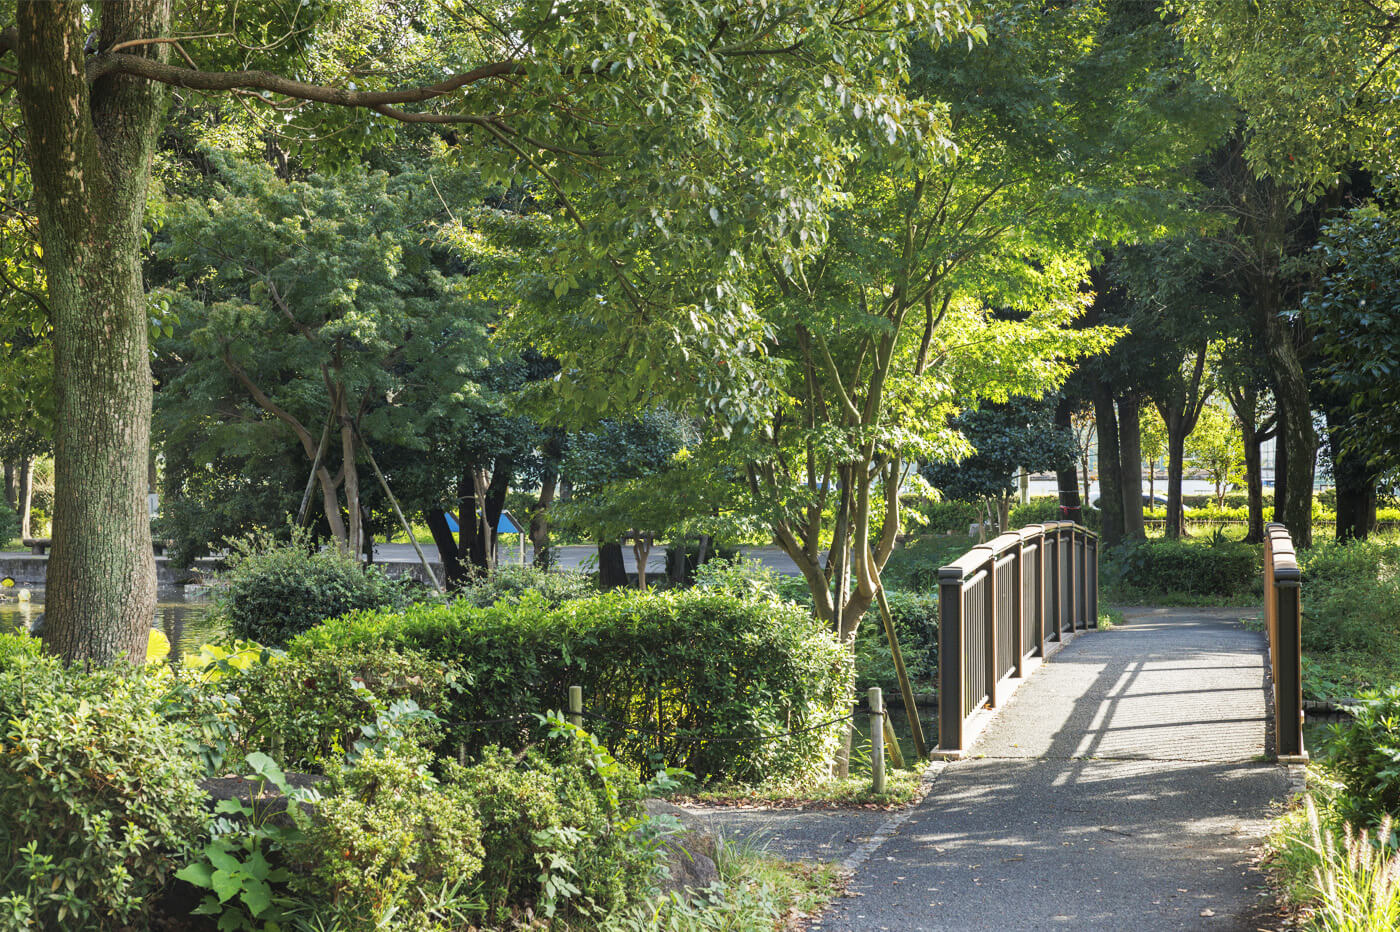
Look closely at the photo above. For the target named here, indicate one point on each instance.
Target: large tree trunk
(11, 488)
(1110, 469)
(354, 541)
(1130, 456)
(90, 157)
(1297, 438)
(612, 572)
(1356, 480)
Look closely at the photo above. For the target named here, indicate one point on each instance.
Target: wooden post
(892, 747)
(951, 672)
(576, 705)
(877, 745)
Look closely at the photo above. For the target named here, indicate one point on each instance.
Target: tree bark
(1297, 436)
(1110, 467)
(612, 572)
(11, 488)
(26, 496)
(1130, 457)
(1356, 480)
(90, 156)
(539, 519)
(1067, 480)
(448, 553)
(354, 541)
(1254, 486)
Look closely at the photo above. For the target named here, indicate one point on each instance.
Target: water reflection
(182, 613)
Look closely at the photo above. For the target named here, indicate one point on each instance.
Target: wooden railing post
(1038, 599)
(1283, 615)
(1018, 606)
(989, 601)
(952, 678)
(1051, 542)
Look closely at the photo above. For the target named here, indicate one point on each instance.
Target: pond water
(182, 613)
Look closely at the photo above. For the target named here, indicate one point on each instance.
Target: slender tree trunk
(1356, 480)
(448, 553)
(1130, 456)
(26, 496)
(641, 552)
(539, 519)
(1066, 480)
(1110, 468)
(90, 155)
(1254, 486)
(11, 488)
(354, 542)
(1280, 463)
(1176, 460)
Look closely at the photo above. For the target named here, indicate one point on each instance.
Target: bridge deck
(1123, 787)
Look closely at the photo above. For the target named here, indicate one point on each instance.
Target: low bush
(941, 517)
(1210, 567)
(98, 795)
(274, 591)
(308, 707)
(660, 673)
(562, 828)
(1362, 753)
(1038, 510)
(9, 523)
(15, 645)
(384, 844)
(511, 583)
(916, 625)
(1351, 596)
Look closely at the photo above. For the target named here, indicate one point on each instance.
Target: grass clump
(756, 893)
(856, 792)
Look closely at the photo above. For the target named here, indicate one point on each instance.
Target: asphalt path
(1123, 787)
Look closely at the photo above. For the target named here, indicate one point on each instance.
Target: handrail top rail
(1280, 553)
(973, 560)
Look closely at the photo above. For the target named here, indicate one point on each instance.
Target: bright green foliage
(273, 591)
(1365, 754)
(559, 826)
(98, 791)
(312, 707)
(1355, 309)
(1216, 446)
(511, 583)
(306, 299)
(1316, 80)
(382, 844)
(1038, 510)
(1351, 641)
(688, 664)
(916, 624)
(247, 888)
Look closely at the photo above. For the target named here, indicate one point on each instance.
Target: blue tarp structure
(506, 525)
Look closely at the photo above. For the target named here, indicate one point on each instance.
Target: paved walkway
(1122, 787)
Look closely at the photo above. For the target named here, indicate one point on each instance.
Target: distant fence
(1283, 617)
(999, 604)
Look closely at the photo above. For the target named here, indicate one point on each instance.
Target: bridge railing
(1283, 618)
(999, 605)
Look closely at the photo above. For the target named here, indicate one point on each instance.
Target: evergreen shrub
(99, 799)
(686, 665)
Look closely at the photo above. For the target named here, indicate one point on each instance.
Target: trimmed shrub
(511, 583)
(98, 795)
(940, 517)
(274, 592)
(1038, 510)
(686, 665)
(310, 706)
(16, 645)
(1205, 568)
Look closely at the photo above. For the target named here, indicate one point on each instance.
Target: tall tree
(596, 103)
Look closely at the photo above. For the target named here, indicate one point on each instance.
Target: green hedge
(1199, 568)
(692, 664)
(916, 624)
